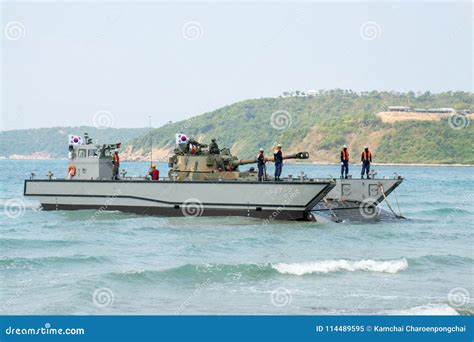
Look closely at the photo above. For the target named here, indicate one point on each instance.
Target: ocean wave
(201, 272)
(35, 243)
(328, 266)
(437, 260)
(425, 310)
(20, 203)
(226, 272)
(7, 262)
(451, 212)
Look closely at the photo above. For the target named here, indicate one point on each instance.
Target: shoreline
(291, 163)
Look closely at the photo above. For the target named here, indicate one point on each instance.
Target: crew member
(213, 147)
(366, 159)
(261, 164)
(278, 155)
(344, 162)
(115, 165)
(154, 173)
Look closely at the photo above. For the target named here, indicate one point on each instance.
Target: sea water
(57, 262)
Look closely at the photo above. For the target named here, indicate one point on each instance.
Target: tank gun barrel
(298, 155)
(235, 163)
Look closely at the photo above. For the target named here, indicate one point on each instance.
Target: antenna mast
(151, 142)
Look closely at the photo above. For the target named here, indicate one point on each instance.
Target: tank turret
(196, 161)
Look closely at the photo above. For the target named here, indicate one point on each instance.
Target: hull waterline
(266, 200)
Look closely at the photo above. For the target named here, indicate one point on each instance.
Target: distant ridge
(322, 123)
(46, 143)
(319, 124)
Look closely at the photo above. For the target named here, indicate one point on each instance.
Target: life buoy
(71, 170)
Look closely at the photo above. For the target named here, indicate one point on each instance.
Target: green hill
(53, 142)
(321, 124)
(318, 124)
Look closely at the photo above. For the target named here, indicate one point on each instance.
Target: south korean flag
(75, 140)
(181, 139)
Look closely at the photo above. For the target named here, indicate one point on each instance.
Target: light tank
(196, 161)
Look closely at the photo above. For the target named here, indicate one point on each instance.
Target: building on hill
(422, 110)
(299, 93)
(399, 109)
(440, 110)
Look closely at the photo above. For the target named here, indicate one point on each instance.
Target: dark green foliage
(338, 116)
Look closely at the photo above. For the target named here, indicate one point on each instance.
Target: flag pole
(151, 142)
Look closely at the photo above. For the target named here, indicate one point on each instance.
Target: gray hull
(268, 200)
(355, 199)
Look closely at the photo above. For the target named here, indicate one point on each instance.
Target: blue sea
(58, 263)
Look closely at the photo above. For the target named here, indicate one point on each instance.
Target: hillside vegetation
(318, 124)
(321, 124)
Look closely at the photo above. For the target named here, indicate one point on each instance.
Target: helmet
(153, 165)
(366, 146)
(261, 149)
(279, 145)
(116, 150)
(344, 146)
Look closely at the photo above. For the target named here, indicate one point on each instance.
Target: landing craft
(202, 181)
(88, 185)
(349, 199)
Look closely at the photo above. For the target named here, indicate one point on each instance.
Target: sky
(117, 63)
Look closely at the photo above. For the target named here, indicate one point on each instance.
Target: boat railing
(305, 178)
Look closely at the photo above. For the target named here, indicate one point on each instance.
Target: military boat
(89, 185)
(203, 180)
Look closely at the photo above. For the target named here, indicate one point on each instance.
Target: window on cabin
(81, 154)
(92, 153)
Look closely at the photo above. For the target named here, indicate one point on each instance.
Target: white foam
(426, 310)
(327, 266)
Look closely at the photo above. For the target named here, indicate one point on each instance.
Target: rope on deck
(332, 211)
(389, 206)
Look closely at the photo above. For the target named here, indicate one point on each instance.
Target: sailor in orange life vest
(366, 159)
(115, 165)
(344, 162)
(154, 173)
(261, 164)
(278, 155)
